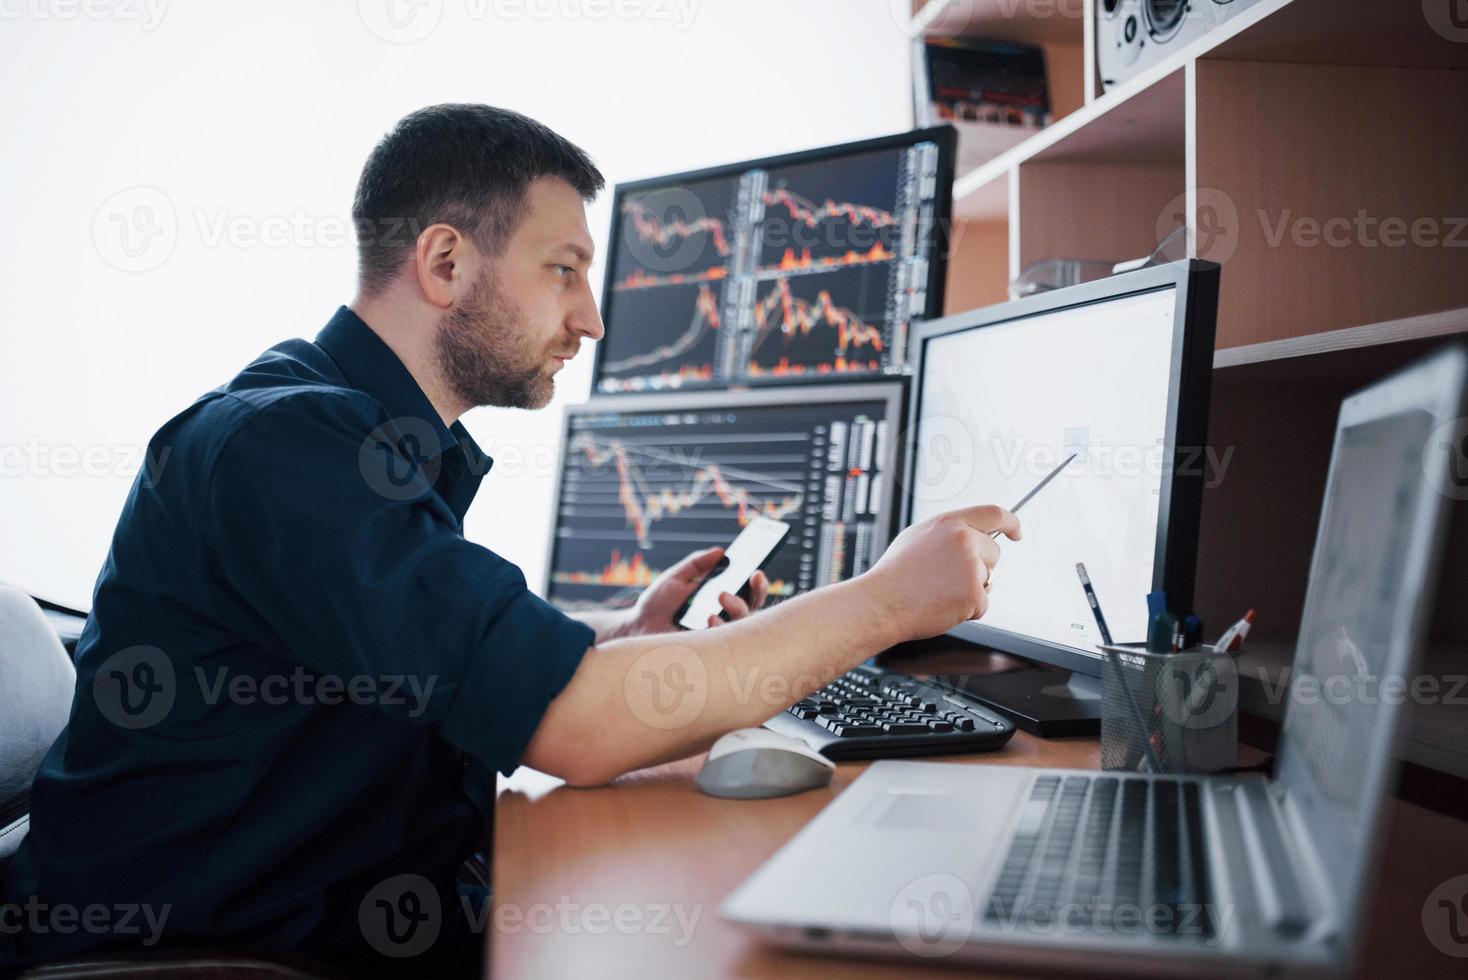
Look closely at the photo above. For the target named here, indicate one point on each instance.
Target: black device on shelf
(1117, 371)
(644, 480)
(804, 267)
(871, 712)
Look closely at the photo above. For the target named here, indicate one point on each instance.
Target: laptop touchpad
(925, 811)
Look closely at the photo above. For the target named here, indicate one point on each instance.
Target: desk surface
(568, 862)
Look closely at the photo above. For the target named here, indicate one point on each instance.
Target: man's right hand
(936, 573)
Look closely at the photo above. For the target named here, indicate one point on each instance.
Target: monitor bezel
(944, 135)
(1188, 394)
(891, 393)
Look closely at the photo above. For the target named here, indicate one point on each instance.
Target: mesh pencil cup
(1168, 712)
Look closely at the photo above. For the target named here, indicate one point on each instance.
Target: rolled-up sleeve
(374, 583)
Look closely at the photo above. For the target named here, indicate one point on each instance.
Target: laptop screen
(1353, 646)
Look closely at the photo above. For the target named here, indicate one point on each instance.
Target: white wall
(247, 124)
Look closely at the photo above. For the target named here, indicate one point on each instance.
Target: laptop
(1151, 873)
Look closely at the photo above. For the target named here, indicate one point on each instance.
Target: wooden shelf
(1137, 123)
(1345, 354)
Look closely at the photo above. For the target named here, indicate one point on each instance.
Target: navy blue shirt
(295, 673)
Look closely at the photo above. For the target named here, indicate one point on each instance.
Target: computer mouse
(756, 764)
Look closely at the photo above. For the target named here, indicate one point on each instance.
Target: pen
(1095, 603)
(1138, 725)
(1038, 487)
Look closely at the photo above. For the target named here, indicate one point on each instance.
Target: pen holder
(1168, 712)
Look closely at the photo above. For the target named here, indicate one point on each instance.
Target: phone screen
(742, 559)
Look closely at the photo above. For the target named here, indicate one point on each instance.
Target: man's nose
(585, 319)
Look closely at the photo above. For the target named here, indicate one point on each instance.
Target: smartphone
(746, 555)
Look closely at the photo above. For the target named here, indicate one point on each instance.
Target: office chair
(36, 684)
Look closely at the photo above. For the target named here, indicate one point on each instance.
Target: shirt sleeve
(369, 579)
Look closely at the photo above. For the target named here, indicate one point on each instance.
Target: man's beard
(483, 351)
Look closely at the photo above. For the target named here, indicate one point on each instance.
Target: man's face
(528, 309)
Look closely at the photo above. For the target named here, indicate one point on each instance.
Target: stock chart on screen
(643, 486)
(804, 267)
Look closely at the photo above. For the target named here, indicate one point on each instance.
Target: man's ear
(444, 259)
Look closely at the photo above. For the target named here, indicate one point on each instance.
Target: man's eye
(564, 271)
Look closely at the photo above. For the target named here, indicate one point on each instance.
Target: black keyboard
(1107, 853)
(875, 713)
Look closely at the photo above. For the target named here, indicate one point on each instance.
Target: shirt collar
(370, 365)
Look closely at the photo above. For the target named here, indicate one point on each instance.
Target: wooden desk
(567, 859)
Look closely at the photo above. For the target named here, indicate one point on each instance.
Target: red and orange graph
(644, 506)
(800, 317)
(811, 214)
(651, 228)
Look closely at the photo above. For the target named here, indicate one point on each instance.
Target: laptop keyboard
(1107, 853)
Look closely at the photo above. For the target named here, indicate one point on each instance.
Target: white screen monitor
(1115, 373)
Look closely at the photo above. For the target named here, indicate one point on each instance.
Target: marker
(1095, 604)
(1233, 638)
(1038, 487)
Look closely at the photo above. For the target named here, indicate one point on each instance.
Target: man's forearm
(641, 700)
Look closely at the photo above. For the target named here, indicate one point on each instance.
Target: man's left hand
(667, 593)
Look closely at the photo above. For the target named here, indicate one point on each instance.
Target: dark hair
(463, 165)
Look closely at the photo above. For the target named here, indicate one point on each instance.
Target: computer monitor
(808, 266)
(644, 481)
(1116, 372)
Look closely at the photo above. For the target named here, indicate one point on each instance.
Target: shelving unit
(1268, 137)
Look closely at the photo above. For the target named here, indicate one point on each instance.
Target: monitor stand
(1042, 700)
